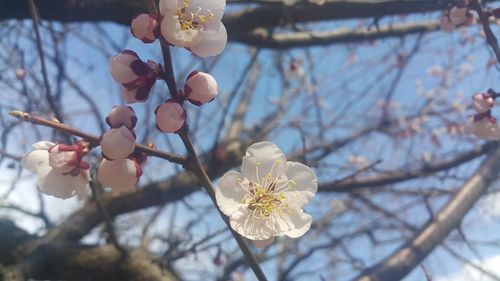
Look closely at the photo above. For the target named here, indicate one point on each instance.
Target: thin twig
(491, 39)
(107, 219)
(93, 139)
(41, 54)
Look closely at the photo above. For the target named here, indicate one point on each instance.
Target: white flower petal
(229, 195)
(262, 243)
(34, 160)
(45, 145)
(298, 221)
(169, 5)
(262, 158)
(212, 41)
(58, 185)
(306, 183)
(216, 7)
(245, 223)
(171, 30)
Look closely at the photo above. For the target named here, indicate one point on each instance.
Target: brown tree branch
(400, 263)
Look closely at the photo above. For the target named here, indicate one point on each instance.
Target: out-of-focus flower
(482, 102)
(117, 143)
(20, 73)
(483, 126)
(455, 17)
(200, 88)
(122, 116)
(170, 116)
(60, 170)
(317, 2)
(137, 77)
(266, 199)
(195, 25)
(120, 175)
(145, 27)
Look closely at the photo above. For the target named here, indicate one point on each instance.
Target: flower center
(190, 20)
(265, 202)
(267, 197)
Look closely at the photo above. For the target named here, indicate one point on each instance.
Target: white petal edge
(263, 243)
(212, 42)
(267, 154)
(243, 222)
(306, 183)
(229, 194)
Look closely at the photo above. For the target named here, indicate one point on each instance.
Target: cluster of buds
(136, 76)
(60, 168)
(121, 167)
(457, 16)
(482, 124)
(200, 88)
(192, 24)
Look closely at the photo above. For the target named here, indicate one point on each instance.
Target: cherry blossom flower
(136, 77)
(122, 116)
(194, 24)
(170, 116)
(200, 88)
(60, 170)
(145, 27)
(317, 2)
(483, 126)
(455, 17)
(482, 102)
(266, 199)
(117, 143)
(120, 175)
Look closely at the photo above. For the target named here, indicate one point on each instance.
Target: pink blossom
(145, 27)
(200, 88)
(117, 143)
(483, 126)
(122, 115)
(482, 102)
(137, 77)
(120, 175)
(59, 173)
(170, 116)
(458, 15)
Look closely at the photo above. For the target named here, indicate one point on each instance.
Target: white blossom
(266, 199)
(67, 177)
(194, 24)
(120, 175)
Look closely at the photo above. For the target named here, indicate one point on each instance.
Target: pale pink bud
(170, 116)
(135, 95)
(120, 175)
(200, 88)
(117, 143)
(122, 115)
(446, 24)
(458, 15)
(482, 102)
(145, 27)
(126, 67)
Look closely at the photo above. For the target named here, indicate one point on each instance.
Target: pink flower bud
(122, 115)
(120, 66)
(482, 102)
(446, 24)
(20, 73)
(117, 143)
(170, 116)
(200, 88)
(458, 15)
(145, 27)
(120, 175)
